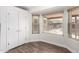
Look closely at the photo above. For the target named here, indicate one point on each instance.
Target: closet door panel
(22, 25)
(12, 28)
(3, 19)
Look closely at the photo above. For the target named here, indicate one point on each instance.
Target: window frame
(37, 25)
(62, 26)
(70, 22)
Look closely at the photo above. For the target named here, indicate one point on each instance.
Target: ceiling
(45, 10)
(28, 7)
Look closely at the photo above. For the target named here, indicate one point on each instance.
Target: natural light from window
(53, 25)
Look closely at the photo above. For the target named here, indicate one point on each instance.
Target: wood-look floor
(38, 47)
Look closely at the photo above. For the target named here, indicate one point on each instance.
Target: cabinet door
(12, 28)
(22, 28)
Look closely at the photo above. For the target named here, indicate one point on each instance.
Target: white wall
(64, 41)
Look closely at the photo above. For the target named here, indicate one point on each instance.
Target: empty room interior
(39, 29)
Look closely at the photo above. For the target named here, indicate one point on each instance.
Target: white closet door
(12, 28)
(22, 25)
(3, 18)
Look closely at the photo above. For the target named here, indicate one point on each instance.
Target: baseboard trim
(65, 46)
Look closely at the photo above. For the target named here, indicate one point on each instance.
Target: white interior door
(12, 28)
(3, 19)
(22, 28)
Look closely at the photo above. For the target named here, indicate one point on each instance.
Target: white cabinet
(13, 27)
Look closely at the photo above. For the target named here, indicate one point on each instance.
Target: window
(53, 24)
(35, 25)
(74, 23)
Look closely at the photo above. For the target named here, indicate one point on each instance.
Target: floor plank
(38, 47)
